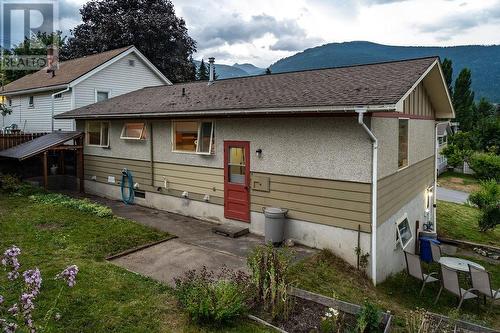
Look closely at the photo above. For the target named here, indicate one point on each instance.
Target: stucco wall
(421, 142)
(330, 148)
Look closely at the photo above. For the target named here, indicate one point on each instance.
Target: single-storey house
(35, 98)
(349, 151)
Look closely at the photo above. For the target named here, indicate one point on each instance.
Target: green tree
(268, 71)
(463, 100)
(203, 72)
(4, 111)
(460, 148)
(152, 26)
(447, 66)
(487, 134)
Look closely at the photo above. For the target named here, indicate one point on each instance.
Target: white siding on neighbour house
(118, 78)
(38, 118)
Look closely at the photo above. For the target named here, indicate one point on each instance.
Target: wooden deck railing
(11, 140)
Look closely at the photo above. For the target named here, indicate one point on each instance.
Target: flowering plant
(330, 321)
(21, 314)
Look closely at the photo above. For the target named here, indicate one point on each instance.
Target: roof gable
(73, 71)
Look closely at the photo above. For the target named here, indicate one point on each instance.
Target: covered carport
(53, 146)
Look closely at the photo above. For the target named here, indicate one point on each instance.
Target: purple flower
(1, 299)
(69, 275)
(10, 260)
(14, 309)
(10, 328)
(33, 280)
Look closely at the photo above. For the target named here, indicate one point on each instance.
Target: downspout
(52, 101)
(374, 140)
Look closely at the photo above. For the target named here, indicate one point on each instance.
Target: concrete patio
(195, 247)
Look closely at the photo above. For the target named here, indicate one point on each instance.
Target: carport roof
(39, 145)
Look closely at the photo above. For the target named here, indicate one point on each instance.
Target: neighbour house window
(193, 136)
(134, 131)
(31, 101)
(58, 96)
(9, 101)
(403, 143)
(98, 133)
(403, 232)
(131, 62)
(101, 96)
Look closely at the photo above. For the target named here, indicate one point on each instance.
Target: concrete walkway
(452, 195)
(195, 247)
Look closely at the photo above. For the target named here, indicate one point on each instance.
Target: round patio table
(458, 263)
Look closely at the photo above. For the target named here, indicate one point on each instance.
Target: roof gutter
(52, 97)
(268, 111)
(374, 141)
(34, 90)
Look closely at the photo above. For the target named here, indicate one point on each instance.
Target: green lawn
(460, 222)
(106, 298)
(458, 181)
(328, 275)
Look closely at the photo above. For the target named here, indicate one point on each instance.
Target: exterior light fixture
(259, 153)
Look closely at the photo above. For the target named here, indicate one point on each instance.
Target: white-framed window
(131, 62)
(133, 131)
(101, 95)
(193, 136)
(403, 231)
(58, 96)
(31, 101)
(402, 143)
(98, 133)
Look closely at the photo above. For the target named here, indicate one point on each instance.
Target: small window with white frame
(101, 95)
(98, 133)
(134, 131)
(31, 101)
(403, 232)
(193, 136)
(58, 96)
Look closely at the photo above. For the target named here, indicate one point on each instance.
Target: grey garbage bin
(275, 224)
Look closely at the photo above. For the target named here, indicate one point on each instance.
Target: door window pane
(237, 166)
(186, 135)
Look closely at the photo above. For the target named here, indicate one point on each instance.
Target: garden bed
(308, 310)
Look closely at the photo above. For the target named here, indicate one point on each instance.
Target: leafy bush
(369, 318)
(12, 185)
(270, 275)
(486, 166)
(212, 298)
(459, 149)
(83, 205)
(487, 198)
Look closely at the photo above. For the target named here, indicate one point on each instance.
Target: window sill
(402, 168)
(98, 146)
(133, 139)
(192, 153)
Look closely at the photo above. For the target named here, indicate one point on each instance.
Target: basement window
(193, 136)
(403, 229)
(98, 133)
(133, 131)
(403, 143)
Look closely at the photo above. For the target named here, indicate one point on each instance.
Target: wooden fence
(10, 140)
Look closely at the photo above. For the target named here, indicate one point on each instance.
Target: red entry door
(237, 180)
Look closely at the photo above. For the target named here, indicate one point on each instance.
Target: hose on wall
(127, 177)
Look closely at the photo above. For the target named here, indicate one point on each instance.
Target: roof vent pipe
(211, 77)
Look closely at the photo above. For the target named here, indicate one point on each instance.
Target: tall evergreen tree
(447, 66)
(268, 71)
(463, 100)
(151, 26)
(202, 73)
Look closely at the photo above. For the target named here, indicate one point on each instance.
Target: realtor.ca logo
(24, 23)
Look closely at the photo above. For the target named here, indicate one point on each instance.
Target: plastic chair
(449, 281)
(436, 252)
(414, 268)
(481, 281)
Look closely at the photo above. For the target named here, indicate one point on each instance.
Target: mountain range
(483, 61)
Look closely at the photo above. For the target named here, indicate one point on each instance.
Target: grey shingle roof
(38, 145)
(372, 84)
(68, 71)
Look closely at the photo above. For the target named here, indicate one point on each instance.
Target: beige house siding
(396, 190)
(334, 203)
(418, 104)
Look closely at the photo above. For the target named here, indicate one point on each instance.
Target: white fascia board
(34, 90)
(399, 104)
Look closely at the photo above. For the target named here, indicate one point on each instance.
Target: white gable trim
(117, 58)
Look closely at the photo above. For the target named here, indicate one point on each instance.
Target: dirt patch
(456, 180)
(48, 226)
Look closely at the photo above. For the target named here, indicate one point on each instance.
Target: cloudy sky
(263, 31)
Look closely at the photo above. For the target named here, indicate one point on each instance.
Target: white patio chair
(481, 281)
(436, 252)
(449, 281)
(414, 268)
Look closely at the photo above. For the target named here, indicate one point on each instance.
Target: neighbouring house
(443, 130)
(349, 151)
(34, 99)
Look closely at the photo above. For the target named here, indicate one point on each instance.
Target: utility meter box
(260, 183)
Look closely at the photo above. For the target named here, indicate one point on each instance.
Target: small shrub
(369, 318)
(487, 199)
(331, 322)
(216, 299)
(270, 275)
(9, 184)
(83, 205)
(486, 166)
